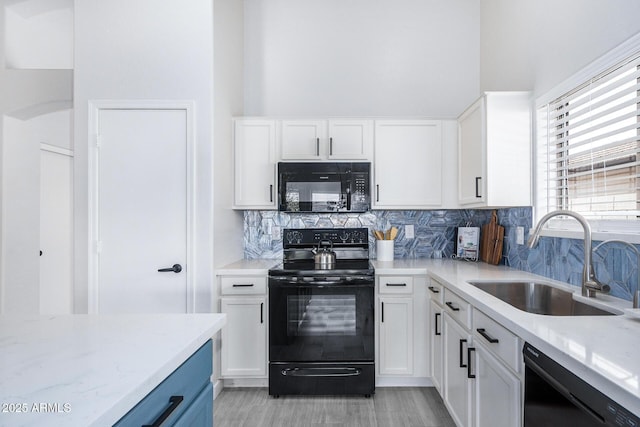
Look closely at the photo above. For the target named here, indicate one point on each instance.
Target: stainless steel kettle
(324, 257)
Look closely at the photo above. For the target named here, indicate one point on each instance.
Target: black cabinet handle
(397, 284)
(331, 146)
(434, 290)
(451, 306)
(242, 285)
(469, 351)
(488, 337)
(174, 402)
(462, 365)
(382, 312)
(317, 146)
(176, 268)
(271, 193)
(261, 312)
(377, 192)
(478, 178)
(436, 324)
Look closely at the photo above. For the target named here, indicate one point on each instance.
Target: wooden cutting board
(491, 240)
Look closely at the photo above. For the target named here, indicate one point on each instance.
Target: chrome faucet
(636, 294)
(589, 282)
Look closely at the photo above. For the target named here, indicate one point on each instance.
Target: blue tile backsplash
(556, 258)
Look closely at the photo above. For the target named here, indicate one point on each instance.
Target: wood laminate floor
(253, 407)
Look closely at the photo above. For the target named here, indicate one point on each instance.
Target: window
(588, 146)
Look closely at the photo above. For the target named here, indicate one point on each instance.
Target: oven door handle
(321, 372)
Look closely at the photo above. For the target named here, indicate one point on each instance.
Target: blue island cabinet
(183, 399)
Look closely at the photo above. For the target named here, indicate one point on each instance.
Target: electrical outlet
(276, 233)
(408, 231)
(520, 235)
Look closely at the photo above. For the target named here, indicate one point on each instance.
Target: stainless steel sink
(539, 298)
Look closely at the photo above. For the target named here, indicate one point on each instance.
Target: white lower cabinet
(497, 391)
(476, 363)
(435, 344)
(401, 315)
(244, 338)
(243, 344)
(457, 387)
(396, 336)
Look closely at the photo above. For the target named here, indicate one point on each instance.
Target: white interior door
(56, 231)
(142, 210)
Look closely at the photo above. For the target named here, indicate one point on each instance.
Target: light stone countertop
(90, 370)
(248, 267)
(602, 350)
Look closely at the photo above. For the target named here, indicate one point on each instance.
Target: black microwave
(324, 187)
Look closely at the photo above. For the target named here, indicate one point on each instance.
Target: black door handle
(176, 268)
(174, 403)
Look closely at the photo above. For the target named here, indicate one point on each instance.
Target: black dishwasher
(553, 396)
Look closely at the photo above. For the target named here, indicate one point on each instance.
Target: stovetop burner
(342, 268)
(351, 246)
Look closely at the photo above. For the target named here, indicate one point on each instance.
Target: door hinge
(98, 140)
(98, 246)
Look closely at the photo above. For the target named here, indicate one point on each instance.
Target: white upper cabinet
(350, 139)
(255, 164)
(336, 139)
(301, 139)
(494, 151)
(408, 164)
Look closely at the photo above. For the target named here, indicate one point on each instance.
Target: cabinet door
(457, 388)
(303, 139)
(408, 164)
(497, 392)
(396, 336)
(471, 155)
(244, 337)
(255, 164)
(200, 413)
(435, 345)
(350, 139)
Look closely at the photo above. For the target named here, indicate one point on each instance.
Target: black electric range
(321, 320)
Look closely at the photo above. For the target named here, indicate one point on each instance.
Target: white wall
(39, 34)
(536, 44)
(27, 98)
(228, 102)
(361, 57)
(145, 49)
(20, 273)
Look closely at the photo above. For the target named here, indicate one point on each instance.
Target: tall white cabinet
(494, 151)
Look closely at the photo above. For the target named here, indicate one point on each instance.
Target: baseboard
(217, 388)
(246, 382)
(403, 382)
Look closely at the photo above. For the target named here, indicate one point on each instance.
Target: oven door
(321, 320)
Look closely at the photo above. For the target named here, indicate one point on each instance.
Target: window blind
(588, 146)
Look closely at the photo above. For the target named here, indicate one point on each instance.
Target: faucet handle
(595, 285)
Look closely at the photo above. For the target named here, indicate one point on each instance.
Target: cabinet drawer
(457, 308)
(502, 342)
(243, 285)
(436, 291)
(395, 284)
(178, 390)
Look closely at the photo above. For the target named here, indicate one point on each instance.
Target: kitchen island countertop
(90, 370)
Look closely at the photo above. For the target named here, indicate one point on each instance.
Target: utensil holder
(384, 250)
